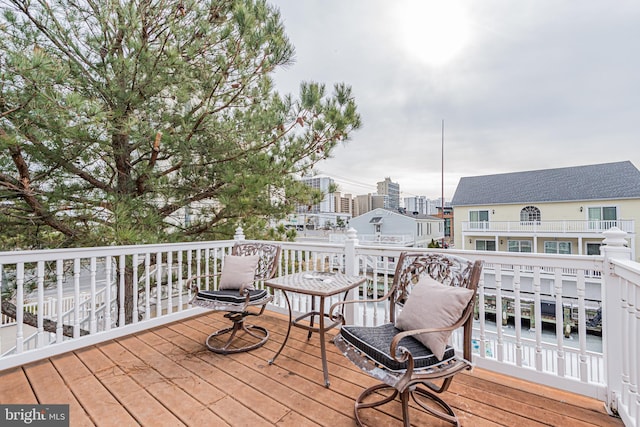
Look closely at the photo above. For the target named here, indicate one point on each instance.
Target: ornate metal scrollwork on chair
(249, 263)
(410, 355)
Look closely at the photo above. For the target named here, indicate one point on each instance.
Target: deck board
(165, 376)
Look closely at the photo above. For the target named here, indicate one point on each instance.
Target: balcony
(157, 363)
(387, 239)
(577, 227)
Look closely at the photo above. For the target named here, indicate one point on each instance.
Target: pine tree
(126, 122)
(129, 122)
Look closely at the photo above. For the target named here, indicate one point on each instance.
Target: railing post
(351, 268)
(239, 234)
(614, 305)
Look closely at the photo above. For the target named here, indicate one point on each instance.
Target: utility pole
(442, 183)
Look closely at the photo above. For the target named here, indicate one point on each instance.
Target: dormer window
(530, 214)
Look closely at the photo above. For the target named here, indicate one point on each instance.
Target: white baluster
(108, 304)
(169, 282)
(76, 297)
(147, 286)
(518, 314)
(40, 312)
(538, 317)
(136, 309)
(158, 284)
(92, 308)
(559, 322)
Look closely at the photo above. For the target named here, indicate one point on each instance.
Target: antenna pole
(442, 179)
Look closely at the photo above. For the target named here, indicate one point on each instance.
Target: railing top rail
(497, 257)
(68, 253)
(501, 257)
(627, 269)
(312, 245)
(552, 221)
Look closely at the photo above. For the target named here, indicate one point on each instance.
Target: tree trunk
(129, 294)
(31, 319)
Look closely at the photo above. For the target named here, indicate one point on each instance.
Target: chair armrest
(188, 284)
(339, 316)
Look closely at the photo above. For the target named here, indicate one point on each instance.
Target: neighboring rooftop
(410, 214)
(606, 181)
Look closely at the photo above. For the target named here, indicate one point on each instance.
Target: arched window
(530, 214)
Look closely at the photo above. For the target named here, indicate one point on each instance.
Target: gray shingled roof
(620, 180)
(410, 214)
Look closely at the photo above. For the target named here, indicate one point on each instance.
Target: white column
(351, 268)
(614, 306)
(580, 244)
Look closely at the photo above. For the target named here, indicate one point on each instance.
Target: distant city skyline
(521, 86)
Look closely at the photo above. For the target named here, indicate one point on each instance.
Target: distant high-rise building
(344, 204)
(416, 204)
(322, 183)
(432, 206)
(392, 190)
(380, 201)
(367, 202)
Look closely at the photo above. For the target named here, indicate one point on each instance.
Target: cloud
(539, 84)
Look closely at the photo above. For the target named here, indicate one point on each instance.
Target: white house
(391, 227)
(563, 210)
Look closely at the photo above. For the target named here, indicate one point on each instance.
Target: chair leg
(446, 414)
(254, 331)
(360, 404)
(404, 398)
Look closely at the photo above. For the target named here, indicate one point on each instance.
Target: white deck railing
(517, 330)
(561, 226)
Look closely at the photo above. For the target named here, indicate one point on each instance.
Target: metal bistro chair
(410, 355)
(249, 263)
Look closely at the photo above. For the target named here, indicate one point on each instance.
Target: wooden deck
(166, 377)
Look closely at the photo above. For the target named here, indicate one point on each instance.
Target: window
(485, 245)
(553, 247)
(429, 232)
(519, 246)
(593, 248)
(602, 217)
(530, 214)
(478, 220)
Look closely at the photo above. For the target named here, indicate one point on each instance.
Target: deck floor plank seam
(166, 376)
(307, 354)
(248, 364)
(493, 408)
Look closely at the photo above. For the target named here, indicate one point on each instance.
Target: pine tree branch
(69, 166)
(28, 195)
(10, 310)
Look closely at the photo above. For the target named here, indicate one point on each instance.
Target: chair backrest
(269, 256)
(447, 269)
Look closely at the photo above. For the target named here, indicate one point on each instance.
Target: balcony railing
(387, 239)
(564, 226)
(537, 317)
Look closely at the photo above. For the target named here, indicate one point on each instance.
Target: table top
(317, 283)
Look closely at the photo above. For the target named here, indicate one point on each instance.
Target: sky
(519, 85)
